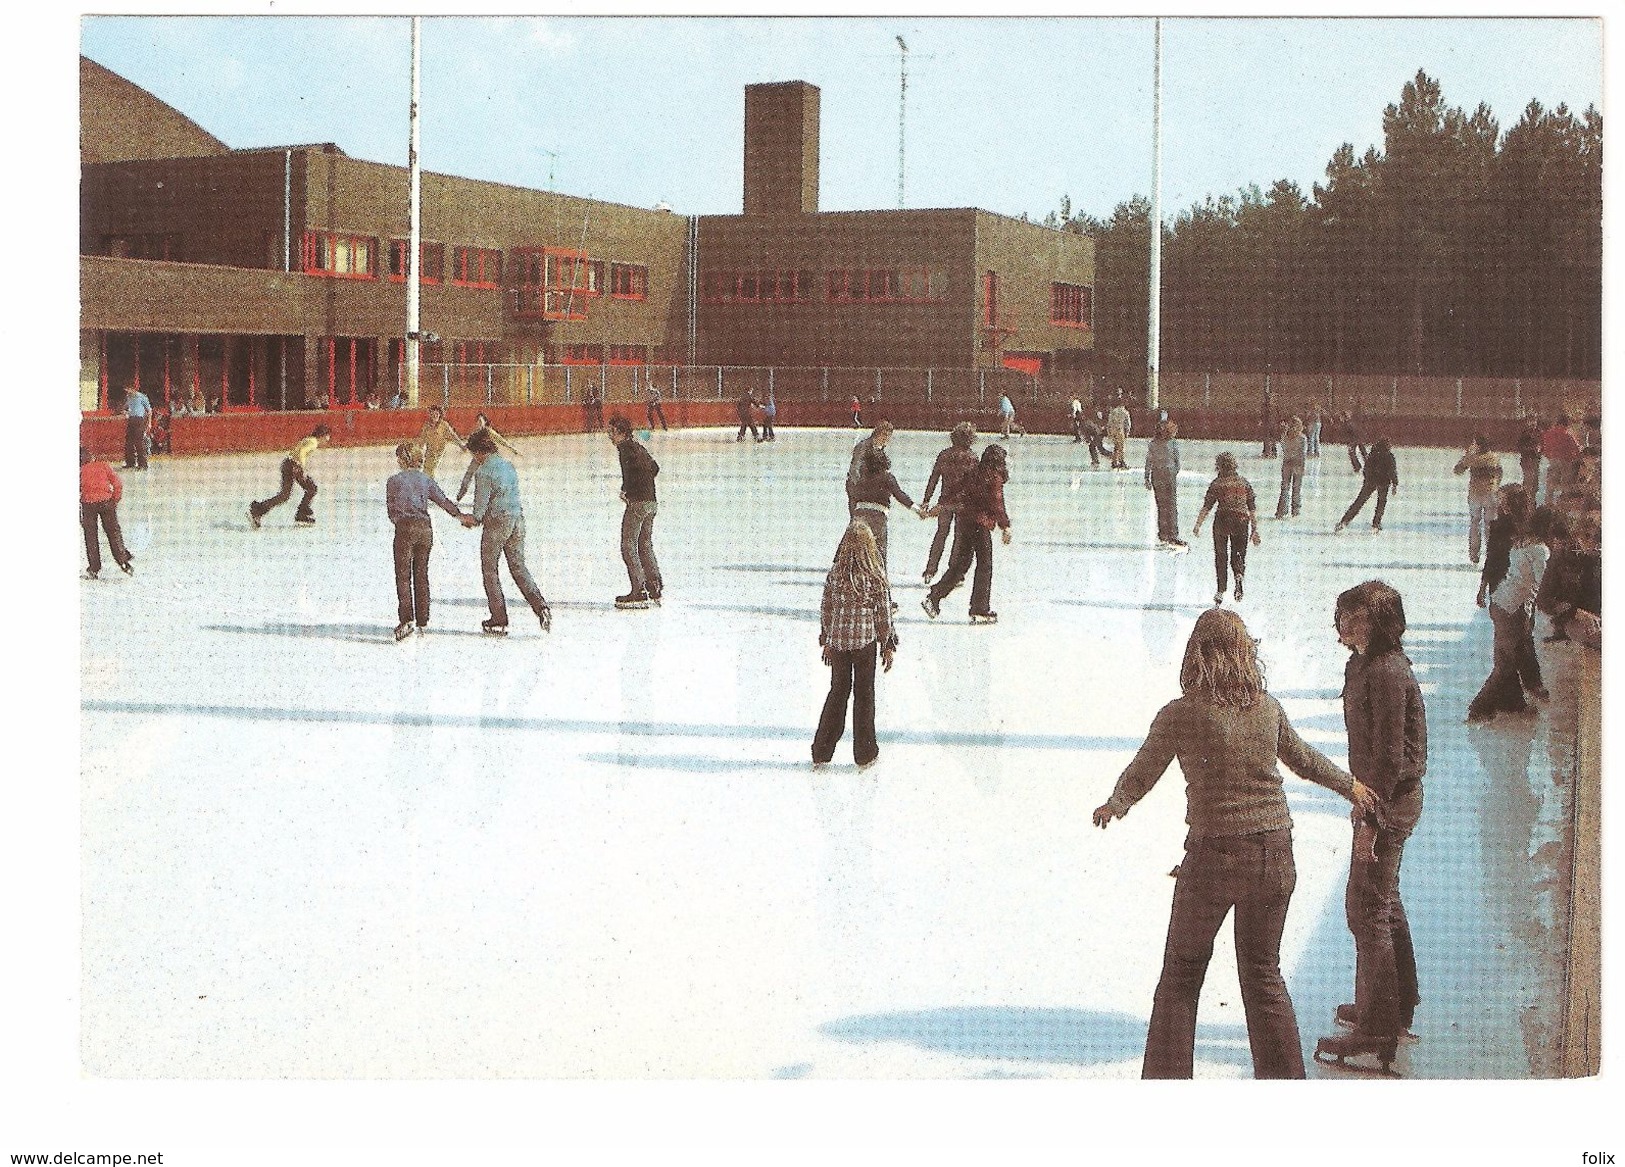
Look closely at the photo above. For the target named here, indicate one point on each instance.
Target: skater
(1294, 450)
(1380, 475)
(950, 468)
(1386, 722)
(638, 470)
(434, 436)
(857, 412)
(1483, 470)
(1007, 418)
(1529, 455)
(1514, 563)
(486, 427)
(980, 499)
(746, 407)
(1354, 440)
(100, 489)
(1075, 419)
(1316, 419)
(855, 623)
(875, 441)
(654, 409)
(497, 509)
(294, 470)
(770, 412)
(592, 407)
(1562, 452)
(137, 428)
(1162, 480)
(1094, 430)
(1118, 426)
(1235, 522)
(407, 496)
(871, 498)
(1227, 733)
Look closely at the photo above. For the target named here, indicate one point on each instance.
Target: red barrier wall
(235, 433)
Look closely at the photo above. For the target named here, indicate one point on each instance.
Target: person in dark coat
(1386, 722)
(981, 508)
(1381, 475)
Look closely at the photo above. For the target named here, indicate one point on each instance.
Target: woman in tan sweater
(1227, 733)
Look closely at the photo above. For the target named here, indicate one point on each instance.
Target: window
(555, 283)
(476, 267)
(431, 261)
(328, 253)
(1071, 305)
(886, 286)
(575, 354)
(625, 354)
(756, 287)
(628, 281)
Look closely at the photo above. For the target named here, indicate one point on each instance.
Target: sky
(1009, 114)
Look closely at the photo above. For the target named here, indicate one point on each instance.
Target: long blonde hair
(1221, 661)
(857, 559)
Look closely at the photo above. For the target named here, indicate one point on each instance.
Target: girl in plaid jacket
(856, 626)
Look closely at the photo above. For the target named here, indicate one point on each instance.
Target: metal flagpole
(902, 115)
(414, 244)
(1154, 306)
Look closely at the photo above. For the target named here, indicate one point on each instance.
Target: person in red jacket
(1562, 451)
(100, 489)
(980, 497)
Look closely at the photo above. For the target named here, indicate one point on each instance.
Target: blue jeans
(638, 547)
(1255, 875)
(504, 536)
(1385, 993)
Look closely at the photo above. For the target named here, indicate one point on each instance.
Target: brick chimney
(781, 148)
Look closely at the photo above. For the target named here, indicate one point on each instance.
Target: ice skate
(402, 631)
(931, 607)
(91, 575)
(545, 616)
(1340, 1047)
(307, 521)
(253, 518)
(1238, 587)
(128, 566)
(1347, 1015)
(633, 600)
(492, 628)
(984, 617)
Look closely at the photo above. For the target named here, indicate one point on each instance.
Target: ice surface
(309, 851)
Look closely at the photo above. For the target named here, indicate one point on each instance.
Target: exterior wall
(1028, 259)
(820, 332)
(120, 120)
(221, 209)
(781, 148)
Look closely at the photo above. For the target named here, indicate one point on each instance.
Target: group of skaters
(1227, 732)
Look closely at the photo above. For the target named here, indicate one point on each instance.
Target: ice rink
(312, 852)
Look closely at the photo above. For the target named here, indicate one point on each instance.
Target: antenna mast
(415, 241)
(902, 114)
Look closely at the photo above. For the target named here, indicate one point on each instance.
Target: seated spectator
(1571, 591)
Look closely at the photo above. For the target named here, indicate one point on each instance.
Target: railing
(500, 384)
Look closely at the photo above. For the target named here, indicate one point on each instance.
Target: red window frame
(554, 283)
(431, 261)
(318, 250)
(576, 354)
(476, 267)
(776, 286)
(628, 281)
(892, 285)
(1071, 305)
(625, 354)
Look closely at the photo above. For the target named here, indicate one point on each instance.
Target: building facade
(275, 278)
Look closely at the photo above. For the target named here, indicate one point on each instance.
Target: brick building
(274, 278)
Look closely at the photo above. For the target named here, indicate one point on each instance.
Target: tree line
(1456, 250)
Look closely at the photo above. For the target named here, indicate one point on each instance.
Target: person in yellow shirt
(293, 470)
(435, 436)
